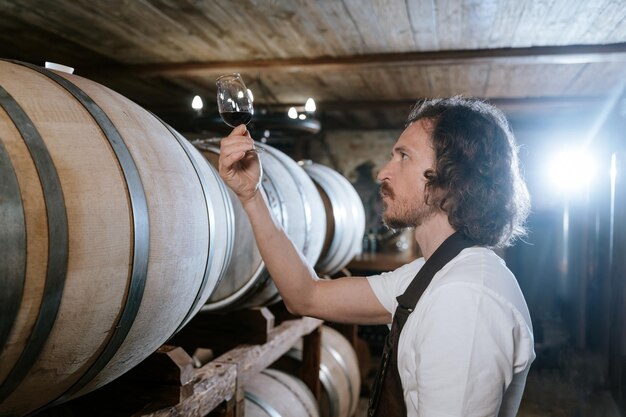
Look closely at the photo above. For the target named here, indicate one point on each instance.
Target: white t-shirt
(467, 347)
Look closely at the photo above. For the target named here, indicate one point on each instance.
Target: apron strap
(387, 388)
(447, 251)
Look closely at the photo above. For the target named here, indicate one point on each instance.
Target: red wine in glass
(234, 101)
(236, 118)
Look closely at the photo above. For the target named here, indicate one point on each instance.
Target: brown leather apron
(387, 398)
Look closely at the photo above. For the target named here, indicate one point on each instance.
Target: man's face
(402, 179)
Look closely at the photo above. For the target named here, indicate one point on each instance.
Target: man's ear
(436, 196)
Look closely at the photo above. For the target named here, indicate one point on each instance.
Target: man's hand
(239, 166)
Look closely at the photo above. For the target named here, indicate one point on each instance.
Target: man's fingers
(232, 140)
(240, 130)
(238, 167)
(228, 160)
(230, 148)
(236, 144)
(235, 149)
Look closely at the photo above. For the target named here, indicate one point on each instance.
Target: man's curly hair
(476, 179)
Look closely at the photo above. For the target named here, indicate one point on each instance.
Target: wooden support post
(231, 408)
(239, 404)
(311, 359)
(349, 331)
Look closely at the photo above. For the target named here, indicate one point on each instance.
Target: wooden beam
(570, 54)
(522, 111)
(505, 103)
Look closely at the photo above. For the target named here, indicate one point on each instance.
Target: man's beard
(405, 214)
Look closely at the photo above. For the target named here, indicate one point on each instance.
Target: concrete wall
(346, 150)
(358, 155)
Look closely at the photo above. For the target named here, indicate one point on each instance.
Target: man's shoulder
(475, 265)
(483, 273)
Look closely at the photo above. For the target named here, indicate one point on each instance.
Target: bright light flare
(613, 171)
(292, 113)
(572, 170)
(59, 67)
(196, 103)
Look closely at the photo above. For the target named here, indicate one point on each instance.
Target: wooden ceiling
(364, 62)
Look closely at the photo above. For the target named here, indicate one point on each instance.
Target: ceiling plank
(573, 54)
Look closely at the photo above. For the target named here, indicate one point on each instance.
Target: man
(463, 343)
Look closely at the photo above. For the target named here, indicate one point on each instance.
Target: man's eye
(404, 156)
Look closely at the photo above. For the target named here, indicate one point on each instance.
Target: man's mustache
(386, 190)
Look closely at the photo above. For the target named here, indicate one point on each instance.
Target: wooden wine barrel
(276, 394)
(294, 201)
(345, 216)
(339, 374)
(114, 230)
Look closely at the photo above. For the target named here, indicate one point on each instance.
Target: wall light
(196, 103)
(310, 105)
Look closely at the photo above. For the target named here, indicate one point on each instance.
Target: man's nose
(383, 173)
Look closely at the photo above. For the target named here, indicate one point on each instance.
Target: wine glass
(234, 101)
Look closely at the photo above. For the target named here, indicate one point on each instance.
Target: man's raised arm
(342, 300)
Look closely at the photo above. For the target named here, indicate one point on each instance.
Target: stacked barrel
(339, 374)
(115, 231)
(317, 207)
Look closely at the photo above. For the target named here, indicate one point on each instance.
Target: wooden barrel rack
(167, 383)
